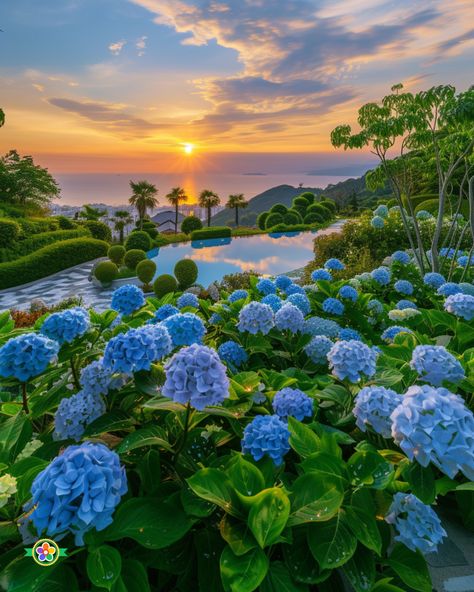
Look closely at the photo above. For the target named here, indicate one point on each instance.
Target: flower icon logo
(45, 552)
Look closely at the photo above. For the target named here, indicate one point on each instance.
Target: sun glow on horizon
(188, 148)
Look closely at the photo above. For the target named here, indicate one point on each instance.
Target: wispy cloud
(141, 45)
(116, 48)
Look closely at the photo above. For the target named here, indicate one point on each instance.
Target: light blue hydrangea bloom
(185, 328)
(401, 257)
(423, 215)
(381, 211)
(348, 293)
(266, 286)
(318, 348)
(434, 364)
(465, 260)
(301, 301)
(467, 288)
(377, 222)
(282, 282)
(294, 289)
(127, 299)
(215, 319)
(417, 524)
(26, 356)
(461, 305)
(373, 407)
(333, 306)
(187, 299)
(75, 413)
(433, 279)
(334, 264)
(65, 326)
(449, 288)
(137, 349)
(165, 311)
(238, 295)
(266, 435)
(232, 353)
(375, 306)
(289, 318)
(290, 402)
(319, 326)
(273, 301)
(434, 425)
(77, 492)
(404, 304)
(391, 332)
(381, 275)
(256, 317)
(348, 334)
(448, 253)
(196, 375)
(96, 378)
(321, 274)
(404, 287)
(352, 360)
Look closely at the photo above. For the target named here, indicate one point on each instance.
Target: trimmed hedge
(99, 230)
(274, 219)
(190, 223)
(116, 253)
(50, 259)
(66, 223)
(138, 239)
(9, 232)
(106, 272)
(29, 245)
(212, 232)
(133, 257)
(329, 205)
(313, 218)
(261, 219)
(37, 225)
(186, 272)
(164, 284)
(319, 209)
(278, 208)
(292, 217)
(308, 196)
(146, 270)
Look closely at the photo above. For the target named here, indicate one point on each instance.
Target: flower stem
(74, 374)
(185, 433)
(25, 400)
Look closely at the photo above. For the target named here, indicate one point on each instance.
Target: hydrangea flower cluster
(348, 293)
(238, 295)
(289, 402)
(137, 349)
(381, 211)
(319, 326)
(334, 264)
(321, 274)
(294, 289)
(196, 375)
(185, 328)
(289, 318)
(7, 488)
(401, 257)
(348, 334)
(449, 288)
(96, 378)
(65, 326)
(461, 305)
(318, 348)
(77, 492)
(404, 287)
(417, 524)
(266, 286)
(187, 299)
(127, 299)
(232, 353)
(333, 306)
(273, 301)
(301, 301)
(26, 356)
(423, 215)
(375, 306)
(165, 311)
(377, 222)
(352, 360)
(434, 364)
(391, 332)
(373, 407)
(433, 279)
(404, 304)
(282, 282)
(256, 317)
(75, 413)
(381, 275)
(397, 315)
(434, 425)
(266, 435)
(465, 260)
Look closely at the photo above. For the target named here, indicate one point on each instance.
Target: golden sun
(188, 148)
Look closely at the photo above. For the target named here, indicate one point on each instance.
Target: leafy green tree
(176, 196)
(88, 212)
(122, 219)
(143, 198)
(2, 117)
(235, 202)
(208, 199)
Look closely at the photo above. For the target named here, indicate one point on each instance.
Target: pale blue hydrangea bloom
(266, 286)
(301, 301)
(282, 282)
(95, 378)
(467, 288)
(290, 402)
(449, 288)
(319, 326)
(417, 524)
(401, 257)
(381, 211)
(404, 287)
(377, 222)
(373, 407)
(348, 334)
(238, 295)
(127, 299)
(289, 318)
(404, 304)
(433, 279)
(187, 299)
(273, 301)
(232, 353)
(448, 253)
(318, 348)
(375, 306)
(333, 306)
(334, 264)
(185, 328)
(65, 326)
(465, 260)
(461, 305)
(348, 293)
(434, 364)
(165, 311)
(381, 275)
(391, 332)
(266, 435)
(294, 289)
(215, 319)
(352, 360)
(424, 215)
(256, 317)
(26, 356)
(75, 413)
(321, 274)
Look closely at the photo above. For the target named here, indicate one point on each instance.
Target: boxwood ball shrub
(313, 218)
(190, 223)
(66, 223)
(106, 272)
(278, 209)
(186, 272)
(139, 239)
(261, 220)
(133, 257)
(292, 217)
(99, 230)
(308, 196)
(165, 284)
(116, 253)
(329, 205)
(9, 232)
(300, 204)
(146, 270)
(273, 220)
(319, 209)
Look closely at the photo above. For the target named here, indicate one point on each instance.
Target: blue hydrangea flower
(389, 334)
(424, 215)
(333, 306)
(404, 287)
(449, 288)
(77, 492)
(351, 360)
(273, 301)
(434, 364)
(282, 282)
(75, 413)
(404, 304)
(381, 211)
(434, 425)
(301, 301)
(26, 356)
(96, 378)
(433, 279)
(165, 311)
(319, 326)
(294, 289)
(137, 349)
(461, 305)
(127, 299)
(348, 293)
(381, 275)
(266, 286)
(334, 264)
(417, 524)
(232, 353)
(266, 435)
(289, 318)
(187, 299)
(375, 306)
(318, 348)
(321, 274)
(448, 253)
(238, 295)
(195, 375)
(215, 319)
(467, 288)
(373, 407)
(401, 257)
(185, 328)
(65, 326)
(348, 334)
(289, 402)
(377, 222)
(256, 317)
(465, 260)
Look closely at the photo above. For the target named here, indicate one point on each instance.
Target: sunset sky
(105, 85)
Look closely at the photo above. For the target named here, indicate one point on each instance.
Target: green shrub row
(38, 241)
(49, 260)
(31, 226)
(212, 232)
(9, 232)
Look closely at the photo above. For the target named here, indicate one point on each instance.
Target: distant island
(254, 174)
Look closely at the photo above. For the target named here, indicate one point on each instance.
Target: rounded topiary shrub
(308, 196)
(292, 217)
(146, 270)
(9, 232)
(313, 218)
(164, 284)
(133, 257)
(273, 219)
(319, 209)
(300, 204)
(116, 253)
(99, 230)
(186, 272)
(261, 219)
(278, 208)
(152, 233)
(190, 223)
(106, 272)
(329, 205)
(66, 223)
(138, 239)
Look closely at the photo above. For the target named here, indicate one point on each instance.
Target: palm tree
(208, 199)
(175, 197)
(2, 117)
(143, 198)
(90, 213)
(122, 218)
(236, 201)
